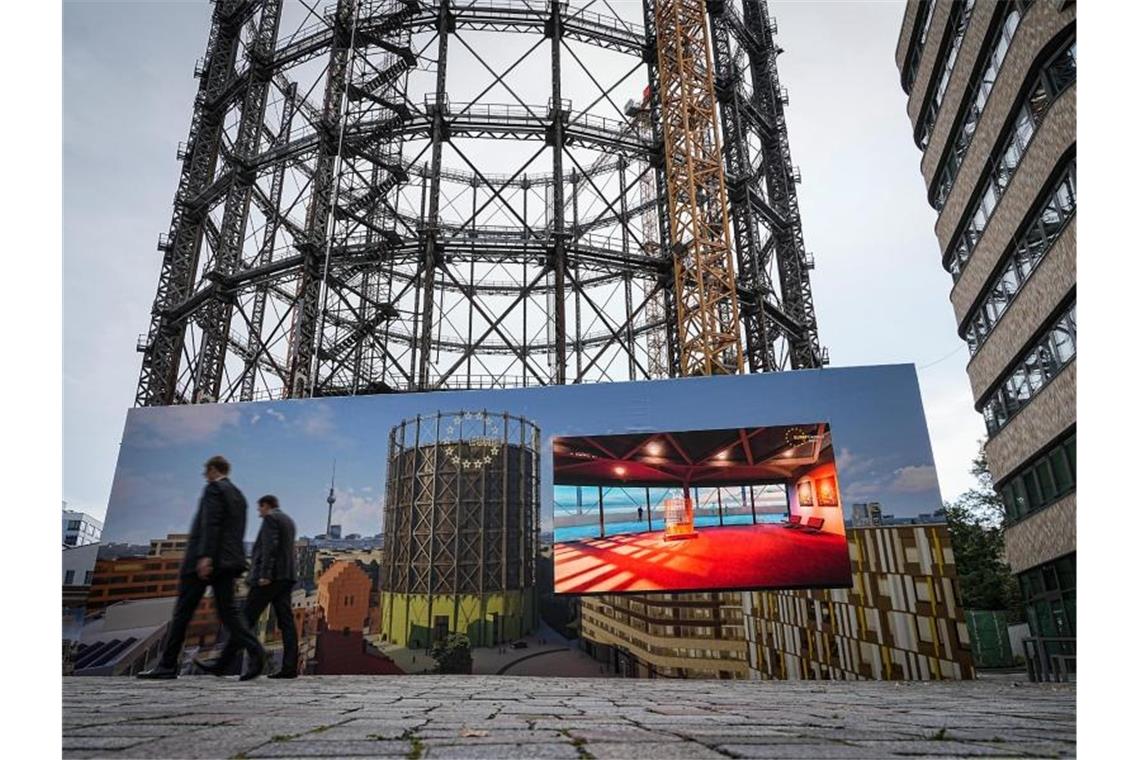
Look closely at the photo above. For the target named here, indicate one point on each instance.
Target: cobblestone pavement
(512, 717)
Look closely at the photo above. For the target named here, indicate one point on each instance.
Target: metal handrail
(1041, 665)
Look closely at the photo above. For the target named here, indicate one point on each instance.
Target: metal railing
(1050, 658)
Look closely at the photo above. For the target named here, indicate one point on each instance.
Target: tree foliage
(452, 655)
(976, 520)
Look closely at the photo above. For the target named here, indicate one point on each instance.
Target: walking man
(215, 557)
(271, 581)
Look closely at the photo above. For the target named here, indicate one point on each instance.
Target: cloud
(913, 479)
(357, 512)
(189, 423)
(280, 417)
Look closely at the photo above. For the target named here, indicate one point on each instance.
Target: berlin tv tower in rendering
(331, 500)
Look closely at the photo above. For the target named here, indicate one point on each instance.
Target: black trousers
(277, 594)
(190, 591)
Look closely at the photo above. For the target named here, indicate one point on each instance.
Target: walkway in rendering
(505, 717)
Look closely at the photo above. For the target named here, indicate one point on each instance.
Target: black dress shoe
(255, 668)
(283, 674)
(213, 667)
(159, 672)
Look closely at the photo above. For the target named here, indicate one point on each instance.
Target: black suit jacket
(273, 551)
(218, 531)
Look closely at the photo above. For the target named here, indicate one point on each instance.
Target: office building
(992, 98)
(80, 528)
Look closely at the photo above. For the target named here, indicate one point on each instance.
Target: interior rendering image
(704, 510)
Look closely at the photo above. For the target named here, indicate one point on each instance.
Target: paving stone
(501, 752)
(348, 748)
(335, 716)
(650, 750)
(100, 742)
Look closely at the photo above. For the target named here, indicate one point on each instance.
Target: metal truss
(708, 314)
(389, 195)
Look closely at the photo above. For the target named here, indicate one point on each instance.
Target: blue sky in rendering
(288, 447)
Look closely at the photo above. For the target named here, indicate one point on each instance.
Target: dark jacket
(273, 550)
(218, 531)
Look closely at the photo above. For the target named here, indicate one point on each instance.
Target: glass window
(1063, 71)
(73, 524)
(1045, 481)
(1062, 475)
(1035, 375)
(1018, 384)
(70, 540)
(1032, 490)
(1023, 130)
(1071, 452)
(1051, 218)
(1038, 104)
(1009, 501)
(69, 577)
(87, 577)
(1066, 196)
(1020, 496)
(1036, 240)
(1010, 281)
(1064, 342)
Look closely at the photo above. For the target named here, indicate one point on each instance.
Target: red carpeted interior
(736, 556)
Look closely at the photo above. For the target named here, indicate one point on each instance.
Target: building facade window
(1050, 594)
(979, 93)
(959, 20)
(1047, 221)
(1042, 481)
(1033, 371)
(922, 22)
(1058, 73)
(69, 577)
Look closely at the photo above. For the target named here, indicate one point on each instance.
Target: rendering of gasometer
(396, 195)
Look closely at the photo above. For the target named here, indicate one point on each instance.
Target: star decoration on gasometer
(481, 449)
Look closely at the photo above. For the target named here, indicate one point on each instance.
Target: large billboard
(484, 512)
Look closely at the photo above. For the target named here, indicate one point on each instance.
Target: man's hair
(219, 463)
(268, 500)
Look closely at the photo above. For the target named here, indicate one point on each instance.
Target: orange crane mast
(708, 313)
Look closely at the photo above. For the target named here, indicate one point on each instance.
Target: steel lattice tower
(390, 195)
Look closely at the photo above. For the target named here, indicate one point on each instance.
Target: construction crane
(708, 313)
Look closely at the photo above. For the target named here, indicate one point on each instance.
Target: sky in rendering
(880, 293)
(288, 447)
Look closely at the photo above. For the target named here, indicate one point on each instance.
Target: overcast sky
(880, 294)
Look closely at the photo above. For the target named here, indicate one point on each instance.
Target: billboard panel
(426, 514)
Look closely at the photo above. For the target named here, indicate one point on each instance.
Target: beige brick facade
(926, 64)
(1051, 412)
(972, 42)
(1043, 536)
(1042, 25)
(1052, 141)
(1048, 287)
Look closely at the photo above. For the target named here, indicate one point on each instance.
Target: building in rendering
(992, 97)
(461, 528)
(902, 620)
(80, 528)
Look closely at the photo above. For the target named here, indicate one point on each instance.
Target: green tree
(452, 655)
(976, 520)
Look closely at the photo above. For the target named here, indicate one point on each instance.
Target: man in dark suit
(271, 582)
(215, 557)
